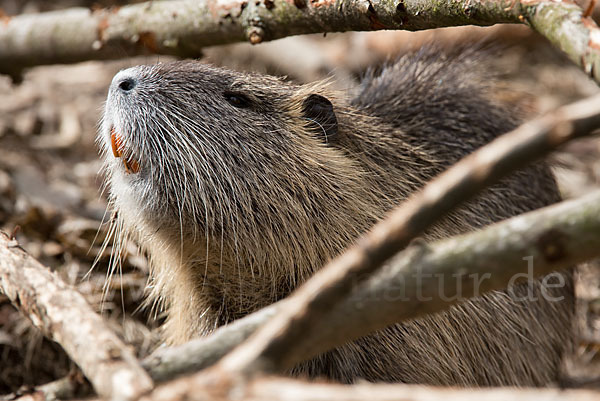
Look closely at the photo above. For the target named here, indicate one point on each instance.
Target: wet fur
(236, 207)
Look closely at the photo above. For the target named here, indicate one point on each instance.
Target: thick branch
(280, 389)
(63, 315)
(276, 389)
(182, 28)
(268, 349)
(289, 390)
(284, 389)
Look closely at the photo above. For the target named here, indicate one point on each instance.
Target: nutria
(239, 186)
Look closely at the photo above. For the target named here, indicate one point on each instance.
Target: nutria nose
(125, 81)
(126, 84)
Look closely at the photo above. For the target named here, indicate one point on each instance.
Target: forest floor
(51, 182)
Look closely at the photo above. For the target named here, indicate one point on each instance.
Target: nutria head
(242, 180)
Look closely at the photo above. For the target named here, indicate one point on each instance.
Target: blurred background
(51, 187)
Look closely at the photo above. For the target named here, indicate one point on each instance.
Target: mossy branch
(182, 28)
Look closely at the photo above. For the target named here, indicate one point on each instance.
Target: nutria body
(240, 186)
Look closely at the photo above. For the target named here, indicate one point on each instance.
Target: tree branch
(166, 363)
(581, 368)
(183, 27)
(283, 389)
(426, 279)
(276, 389)
(63, 315)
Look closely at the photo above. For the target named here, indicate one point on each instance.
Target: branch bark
(268, 349)
(276, 389)
(281, 389)
(284, 389)
(183, 27)
(166, 363)
(581, 368)
(63, 315)
(426, 279)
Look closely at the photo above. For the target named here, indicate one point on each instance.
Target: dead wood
(63, 315)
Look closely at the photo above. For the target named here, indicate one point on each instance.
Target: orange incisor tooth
(135, 166)
(131, 166)
(115, 143)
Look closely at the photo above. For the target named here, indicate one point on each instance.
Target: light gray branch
(63, 315)
(169, 362)
(425, 279)
(182, 28)
(277, 389)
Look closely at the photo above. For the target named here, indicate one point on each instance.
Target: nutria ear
(318, 110)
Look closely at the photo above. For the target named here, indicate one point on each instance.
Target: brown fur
(238, 205)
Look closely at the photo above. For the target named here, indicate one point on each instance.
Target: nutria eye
(238, 100)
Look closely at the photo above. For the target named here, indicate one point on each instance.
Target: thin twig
(589, 9)
(183, 27)
(166, 363)
(63, 315)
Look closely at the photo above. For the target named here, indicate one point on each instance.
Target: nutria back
(240, 186)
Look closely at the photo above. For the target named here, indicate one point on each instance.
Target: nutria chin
(239, 186)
